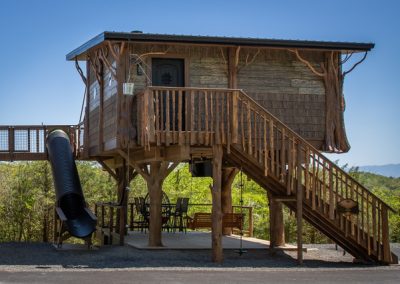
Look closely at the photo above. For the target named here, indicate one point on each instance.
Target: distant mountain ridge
(390, 170)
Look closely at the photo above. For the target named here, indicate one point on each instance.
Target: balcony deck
(28, 142)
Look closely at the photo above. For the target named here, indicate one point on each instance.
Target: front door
(168, 72)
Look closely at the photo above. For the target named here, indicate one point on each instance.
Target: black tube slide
(67, 185)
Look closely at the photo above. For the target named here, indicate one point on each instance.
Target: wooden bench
(203, 220)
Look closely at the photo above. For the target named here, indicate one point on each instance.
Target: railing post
(150, 117)
(11, 140)
(299, 206)
(251, 224)
(235, 115)
(387, 256)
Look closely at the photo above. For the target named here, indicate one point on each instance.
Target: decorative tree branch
(140, 59)
(96, 66)
(247, 61)
(170, 168)
(346, 58)
(103, 54)
(116, 50)
(321, 74)
(78, 68)
(335, 134)
(355, 65)
(225, 61)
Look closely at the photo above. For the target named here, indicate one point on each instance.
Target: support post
(299, 207)
(123, 201)
(387, 255)
(276, 223)
(155, 174)
(216, 233)
(233, 62)
(228, 176)
(155, 193)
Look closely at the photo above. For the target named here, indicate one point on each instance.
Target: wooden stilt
(155, 193)
(299, 208)
(228, 176)
(276, 223)
(123, 200)
(155, 174)
(216, 233)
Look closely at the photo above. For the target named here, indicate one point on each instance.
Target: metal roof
(214, 40)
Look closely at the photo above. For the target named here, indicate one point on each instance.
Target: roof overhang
(80, 52)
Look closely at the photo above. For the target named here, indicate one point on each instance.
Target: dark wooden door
(169, 72)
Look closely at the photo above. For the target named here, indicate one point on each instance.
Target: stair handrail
(310, 146)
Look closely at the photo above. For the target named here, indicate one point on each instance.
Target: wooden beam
(101, 110)
(216, 228)
(86, 144)
(108, 169)
(233, 63)
(121, 73)
(284, 198)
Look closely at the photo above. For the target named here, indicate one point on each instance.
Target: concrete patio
(197, 240)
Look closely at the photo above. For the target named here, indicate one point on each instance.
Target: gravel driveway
(40, 256)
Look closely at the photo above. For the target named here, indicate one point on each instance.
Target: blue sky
(38, 86)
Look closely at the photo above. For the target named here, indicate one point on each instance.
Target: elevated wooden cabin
(265, 106)
(299, 82)
(268, 107)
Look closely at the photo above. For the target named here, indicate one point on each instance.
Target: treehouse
(266, 107)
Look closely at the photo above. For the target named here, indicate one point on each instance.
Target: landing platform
(198, 240)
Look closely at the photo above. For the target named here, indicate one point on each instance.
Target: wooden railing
(194, 116)
(281, 153)
(28, 142)
(190, 116)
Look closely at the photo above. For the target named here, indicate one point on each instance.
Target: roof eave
(77, 52)
(272, 43)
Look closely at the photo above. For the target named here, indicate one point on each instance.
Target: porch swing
(202, 220)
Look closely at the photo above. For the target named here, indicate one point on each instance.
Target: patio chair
(180, 213)
(141, 211)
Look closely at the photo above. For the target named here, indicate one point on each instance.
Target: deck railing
(193, 116)
(107, 216)
(28, 142)
(197, 116)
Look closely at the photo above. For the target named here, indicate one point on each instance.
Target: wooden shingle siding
(288, 89)
(275, 78)
(207, 72)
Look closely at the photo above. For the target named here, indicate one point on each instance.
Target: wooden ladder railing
(197, 116)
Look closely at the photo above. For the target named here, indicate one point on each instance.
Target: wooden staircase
(274, 156)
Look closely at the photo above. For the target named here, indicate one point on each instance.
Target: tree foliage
(27, 198)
